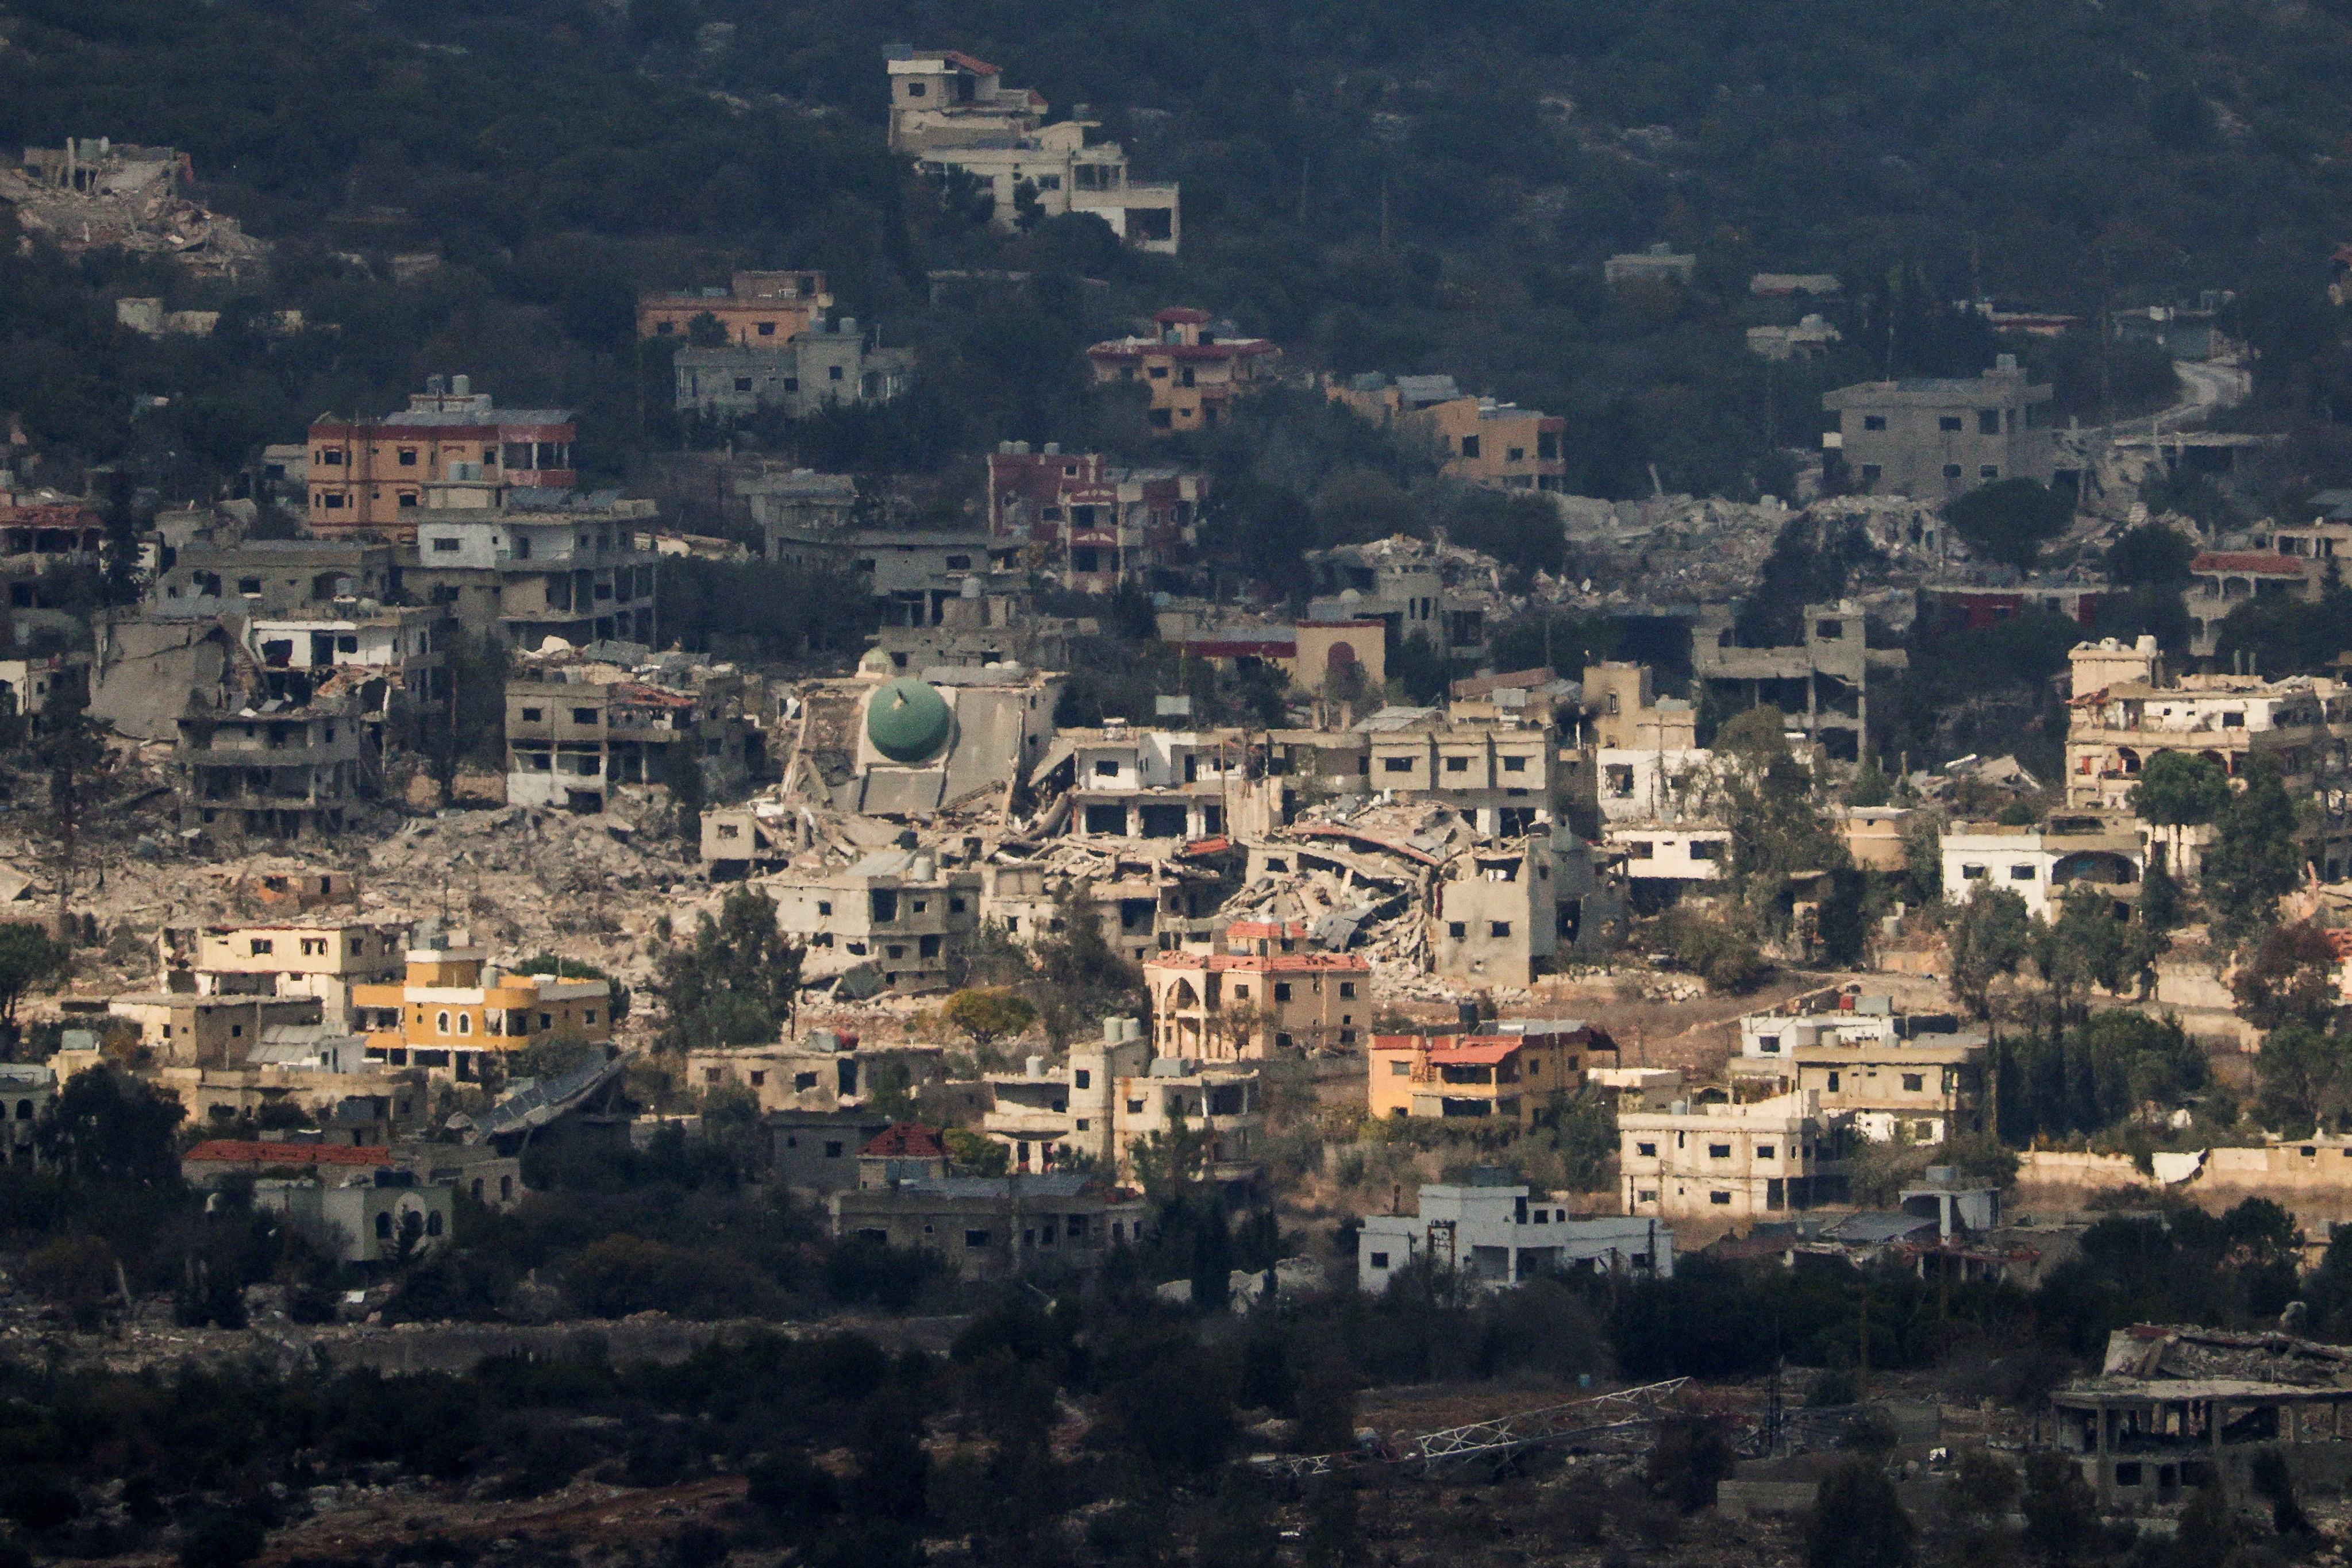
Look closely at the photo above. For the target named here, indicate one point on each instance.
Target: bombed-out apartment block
(573, 738)
(253, 766)
(953, 113)
(826, 1071)
(1190, 371)
(989, 620)
(274, 578)
(391, 665)
(1494, 915)
(1516, 1071)
(1501, 773)
(1093, 523)
(1821, 684)
(833, 361)
(42, 541)
(802, 515)
(755, 310)
(451, 450)
(897, 747)
(1227, 1007)
(542, 564)
(896, 920)
(1438, 591)
(1122, 781)
(1624, 712)
(1732, 1162)
(1936, 437)
(741, 841)
(321, 959)
(1115, 1093)
(918, 577)
(452, 1009)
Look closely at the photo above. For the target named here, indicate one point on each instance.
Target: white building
(1500, 1236)
(1653, 785)
(1671, 851)
(1738, 1163)
(2042, 863)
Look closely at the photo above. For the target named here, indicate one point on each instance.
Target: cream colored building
(323, 959)
(823, 1070)
(1741, 1163)
(1113, 1094)
(1225, 1006)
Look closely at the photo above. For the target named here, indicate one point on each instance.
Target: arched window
(384, 1226)
(432, 1224)
(464, 1023)
(441, 1023)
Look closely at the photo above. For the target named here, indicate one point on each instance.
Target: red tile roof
(977, 67)
(907, 1141)
(2246, 561)
(1273, 930)
(243, 1152)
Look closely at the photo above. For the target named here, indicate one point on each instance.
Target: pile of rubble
(126, 198)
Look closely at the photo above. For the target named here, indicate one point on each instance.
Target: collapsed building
(1820, 683)
(580, 728)
(95, 193)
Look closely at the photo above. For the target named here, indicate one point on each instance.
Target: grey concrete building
(831, 363)
(1937, 437)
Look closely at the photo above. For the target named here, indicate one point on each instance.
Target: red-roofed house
(1225, 1007)
(1508, 1076)
(1193, 376)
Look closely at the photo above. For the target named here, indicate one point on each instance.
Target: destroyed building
(995, 1228)
(540, 565)
(1439, 592)
(321, 959)
(577, 733)
(44, 542)
(93, 193)
(452, 449)
(256, 767)
(1501, 773)
(1820, 683)
(896, 916)
(826, 1071)
(1114, 1093)
(1122, 781)
(1094, 524)
(1494, 917)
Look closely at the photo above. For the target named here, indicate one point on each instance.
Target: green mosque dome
(906, 721)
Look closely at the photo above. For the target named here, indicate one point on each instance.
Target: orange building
(1510, 1076)
(1192, 374)
(452, 1009)
(759, 310)
(449, 450)
(1499, 444)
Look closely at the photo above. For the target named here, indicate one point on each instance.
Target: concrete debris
(93, 195)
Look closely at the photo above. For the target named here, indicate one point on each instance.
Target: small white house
(1674, 853)
(1499, 1236)
(2041, 865)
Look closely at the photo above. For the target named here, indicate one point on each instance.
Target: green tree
(1769, 802)
(2305, 1078)
(2061, 1516)
(105, 1127)
(2254, 859)
(689, 791)
(2180, 789)
(975, 1154)
(706, 331)
(987, 1014)
(28, 958)
(2152, 555)
(565, 969)
(1857, 1522)
(1991, 937)
(736, 983)
(70, 753)
(2011, 519)
(2290, 980)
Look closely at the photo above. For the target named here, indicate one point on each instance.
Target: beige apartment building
(1226, 1007)
(1933, 438)
(1920, 1091)
(756, 309)
(897, 916)
(1497, 445)
(318, 959)
(1191, 375)
(1114, 1094)
(1741, 1162)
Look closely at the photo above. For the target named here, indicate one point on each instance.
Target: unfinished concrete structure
(1115, 1093)
(575, 735)
(896, 916)
(1737, 1163)
(1426, 588)
(1822, 683)
(541, 563)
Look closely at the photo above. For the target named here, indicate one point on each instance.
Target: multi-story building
(826, 1071)
(274, 578)
(1426, 588)
(295, 772)
(1126, 782)
(1624, 712)
(833, 361)
(450, 449)
(1501, 773)
(1497, 445)
(1494, 915)
(954, 114)
(1513, 1073)
(1226, 1007)
(182, 1029)
(1114, 1094)
(1925, 1090)
(1496, 1234)
(1821, 683)
(321, 959)
(1192, 374)
(1936, 437)
(1735, 1163)
(392, 664)
(542, 564)
(756, 309)
(2044, 863)
(897, 914)
(1093, 522)
(42, 542)
(2125, 710)
(453, 1008)
(2220, 581)
(802, 515)
(570, 742)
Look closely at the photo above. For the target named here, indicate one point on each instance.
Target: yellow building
(1192, 374)
(757, 309)
(454, 1007)
(1510, 1074)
